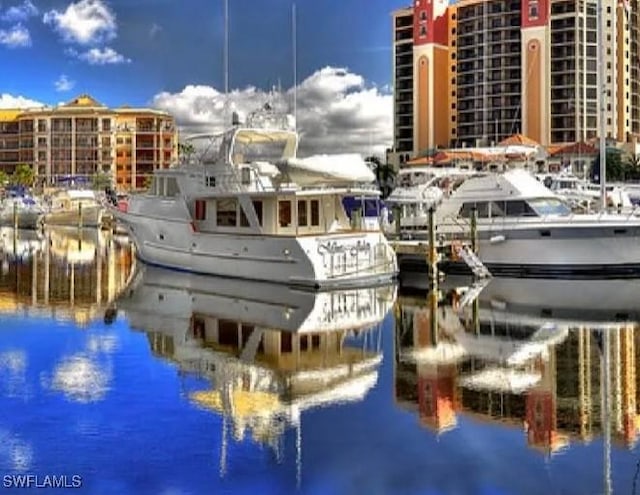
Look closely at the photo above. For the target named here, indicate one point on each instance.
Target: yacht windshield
(549, 206)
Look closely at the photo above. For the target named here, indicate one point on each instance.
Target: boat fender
(456, 246)
(497, 238)
(455, 300)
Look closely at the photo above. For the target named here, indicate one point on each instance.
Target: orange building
(477, 71)
(83, 138)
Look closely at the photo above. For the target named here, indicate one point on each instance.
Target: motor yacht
(525, 229)
(74, 208)
(244, 205)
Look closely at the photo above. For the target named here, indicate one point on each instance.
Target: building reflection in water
(269, 352)
(63, 273)
(528, 353)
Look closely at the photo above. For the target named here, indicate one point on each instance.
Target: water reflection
(557, 358)
(65, 273)
(269, 352)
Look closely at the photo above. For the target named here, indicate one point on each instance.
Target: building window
(423, 16)
(423, 31)
(284, 213)
(533, 10)
(106, 124)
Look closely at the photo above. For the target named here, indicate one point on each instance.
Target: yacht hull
(607, 250)
(320, 262)
(91, 216)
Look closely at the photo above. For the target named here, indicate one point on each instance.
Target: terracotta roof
(518, 139)
(574, 149)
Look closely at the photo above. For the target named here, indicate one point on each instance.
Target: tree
(185, 151)
(4, 178)
(23, 176)
(385, 175)
(632, 167)
(100, 181)
(615, 169)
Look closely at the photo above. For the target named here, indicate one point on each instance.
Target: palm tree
(385, 175)
(23, 175)
(185, 150)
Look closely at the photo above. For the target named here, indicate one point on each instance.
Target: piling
(79, 215)
(433, 250)
(396, 219)
(15, 216)
(474, 230)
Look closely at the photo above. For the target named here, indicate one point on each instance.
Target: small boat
(74, 208)
(20, 209)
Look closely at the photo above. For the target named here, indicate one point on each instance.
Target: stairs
(465, 253)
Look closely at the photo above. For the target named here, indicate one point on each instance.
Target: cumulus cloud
(100, 56)
(63, 83)
(85, 22)
(336, 111)
(15, 37)
(20, 12)
(10, 101)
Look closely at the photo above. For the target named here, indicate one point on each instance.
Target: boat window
(257, 206)
(302, 212)
(171, 187)
(315, 213)
(549, 206)
(200, 209)
(481, 206)
(226, 213)
(519, 208)
(284, 213)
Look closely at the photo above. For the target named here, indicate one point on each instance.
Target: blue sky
(169, 54)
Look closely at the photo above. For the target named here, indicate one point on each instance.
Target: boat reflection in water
(557, 358)
(270, 352)
(63, 273)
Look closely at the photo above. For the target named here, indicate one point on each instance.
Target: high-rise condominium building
(478, 71)
(83, 138)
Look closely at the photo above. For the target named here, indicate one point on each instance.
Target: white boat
(584, 196)
(525, 229)
(235, 211)
(74, 208)
(21, 210)
(418, 189)
(269, 351)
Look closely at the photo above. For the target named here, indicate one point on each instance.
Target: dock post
(474, 230)
(15, 216)
(433, 250)
(79, 215)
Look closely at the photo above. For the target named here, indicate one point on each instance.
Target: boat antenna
(226, 61)
(601, 103)
(295, 67)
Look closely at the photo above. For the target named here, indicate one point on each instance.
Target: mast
(295, 67)
(226, 62)
(601, 103)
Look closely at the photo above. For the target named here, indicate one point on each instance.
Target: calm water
(143, 381)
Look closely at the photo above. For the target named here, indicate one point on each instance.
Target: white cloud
(15, 37)
(85, 22)
(337, 112)
(63, 83)
(100, 56)
(10, 101)
(20, 12)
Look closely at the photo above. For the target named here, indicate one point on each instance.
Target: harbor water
(119, 378)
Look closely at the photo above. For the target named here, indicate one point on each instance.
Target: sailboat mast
(226, 63)
(295, 67)
(602, 107)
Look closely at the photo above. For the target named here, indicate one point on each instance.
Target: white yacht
(583, 196)
(234, 210)
(21, 210)
(74, 208)
(525, 229)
